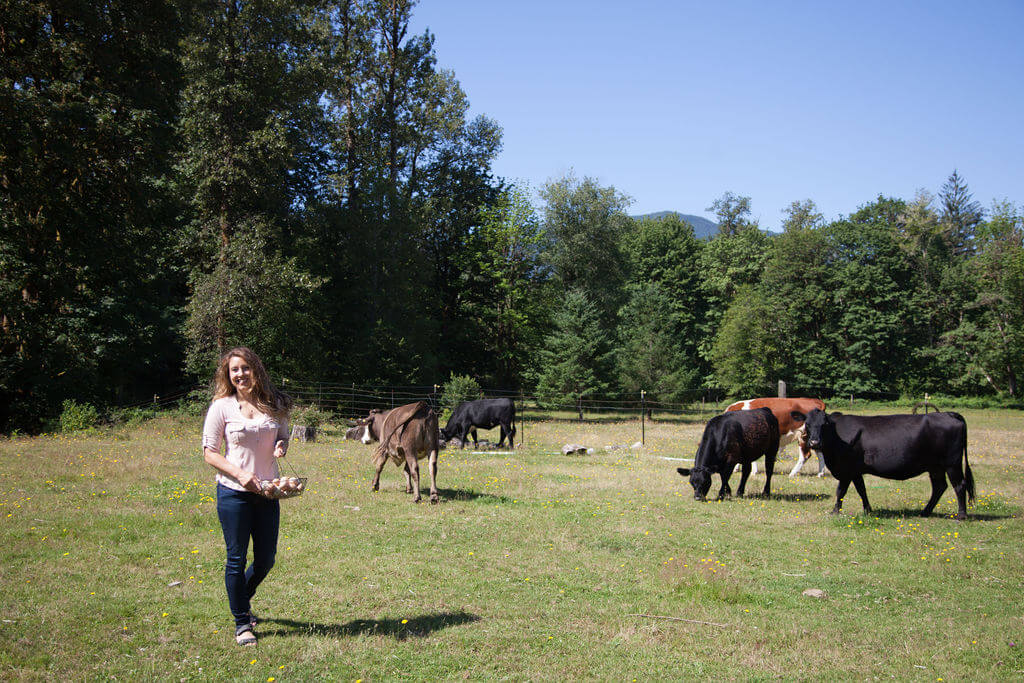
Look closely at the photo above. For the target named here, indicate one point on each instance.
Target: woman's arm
(248, 480)
(283, 434)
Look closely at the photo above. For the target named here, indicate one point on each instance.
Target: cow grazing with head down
(485, 413)
(730, 439)
(894, 447)
(368, 429)
(790, 428)
(407, 434)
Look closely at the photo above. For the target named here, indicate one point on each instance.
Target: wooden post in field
(643, 411)
(782, 389)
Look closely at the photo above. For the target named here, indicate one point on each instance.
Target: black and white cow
(894, 447)
(485, 413)
(730, 439)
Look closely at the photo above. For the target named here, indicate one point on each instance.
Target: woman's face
(240, 374)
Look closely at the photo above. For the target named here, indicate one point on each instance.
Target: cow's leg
(938, 488)
(511, 435)
(840, 492)
(725, 490)
(956, 478)
(821, 464)
(502, 432)
(408, 478)
(744, 473)
(769, 468)
(432, 468)
(476, 443)
(801, 459)
(413, 466)
(862, 491)
(376, 475)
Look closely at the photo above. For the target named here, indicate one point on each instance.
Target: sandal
(245, 636)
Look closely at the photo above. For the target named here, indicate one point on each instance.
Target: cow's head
(372, 424)
(700, 480)
(821, 430)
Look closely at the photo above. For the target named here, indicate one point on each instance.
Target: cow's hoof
(416, 499)
(434, 500)
(961, 518)
(409, 490)
(835, 511)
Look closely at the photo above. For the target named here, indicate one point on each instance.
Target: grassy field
(535, 566)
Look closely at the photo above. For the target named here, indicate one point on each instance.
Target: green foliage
(576, 356)
(310, 416)
(132, 417)
(510, 306)
(76, 417)
(748, 353)
(648, 355)
(87, 280)
(458, 389)
(585, 225)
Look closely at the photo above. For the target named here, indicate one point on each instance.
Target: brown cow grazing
(369, 427)
(790, 428)
(407, 434)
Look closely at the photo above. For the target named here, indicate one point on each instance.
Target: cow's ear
(683, 471)
(797, 416)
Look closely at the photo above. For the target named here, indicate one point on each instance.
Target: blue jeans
(243, 515)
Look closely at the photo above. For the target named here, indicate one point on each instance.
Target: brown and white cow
(407, 434)
(790, 428)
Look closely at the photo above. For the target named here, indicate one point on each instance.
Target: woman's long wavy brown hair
(268, 399)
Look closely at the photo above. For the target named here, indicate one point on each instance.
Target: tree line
(301, 176)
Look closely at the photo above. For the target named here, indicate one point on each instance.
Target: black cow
(485, 413)
(730, 439)
(894, 447)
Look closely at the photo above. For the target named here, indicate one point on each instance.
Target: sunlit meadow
(535, 566)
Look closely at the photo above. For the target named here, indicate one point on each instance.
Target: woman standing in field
(250, 417)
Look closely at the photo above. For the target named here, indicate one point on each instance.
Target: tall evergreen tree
(576, 356)
(961, 215)
(663, 258)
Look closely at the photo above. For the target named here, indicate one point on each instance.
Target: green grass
(535, 566)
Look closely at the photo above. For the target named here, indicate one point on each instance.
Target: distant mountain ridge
(702, 227)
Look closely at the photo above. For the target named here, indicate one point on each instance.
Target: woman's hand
(280, 449)
(249, 481)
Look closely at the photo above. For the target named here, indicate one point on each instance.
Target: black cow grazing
(485, 413)
(730, 439)
(894, 447)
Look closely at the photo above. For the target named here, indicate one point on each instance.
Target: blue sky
(676, 103)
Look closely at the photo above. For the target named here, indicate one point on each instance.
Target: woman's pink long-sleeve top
(250, 443)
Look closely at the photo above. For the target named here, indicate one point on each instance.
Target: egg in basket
(283, 487)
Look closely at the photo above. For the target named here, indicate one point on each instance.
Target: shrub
(458, 389)
(310, 416)
(76, 416)
(133, 416)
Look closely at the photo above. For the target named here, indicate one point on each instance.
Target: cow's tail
(968, 477)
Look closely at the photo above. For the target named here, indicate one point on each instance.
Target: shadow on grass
(416, 627)
(902, 513)
(802, 497)
(470, 495)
